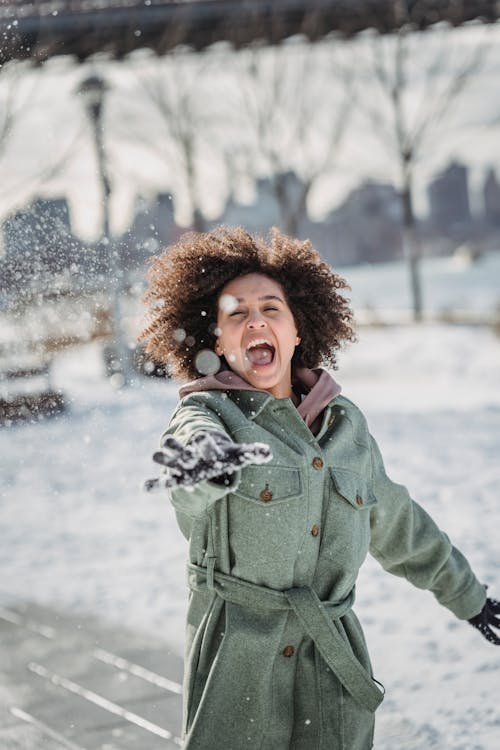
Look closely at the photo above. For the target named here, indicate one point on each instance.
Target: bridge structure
(40, 29)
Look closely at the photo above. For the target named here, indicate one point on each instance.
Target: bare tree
(260, 111)
(175, 91)
(294, 101)
(18, 86)
(390, 72)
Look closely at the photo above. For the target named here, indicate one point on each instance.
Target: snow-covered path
(77, 532)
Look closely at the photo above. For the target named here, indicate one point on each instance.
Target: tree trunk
(291, 214)
(411, 250)
(199, 223)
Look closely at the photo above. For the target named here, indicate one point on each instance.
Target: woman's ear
(297, 341)
(218, 349)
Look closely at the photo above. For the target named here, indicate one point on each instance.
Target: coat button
(359, 500)
(315, 530)
(317, 462)
(331, 421)
(266, 495)
(288, 651)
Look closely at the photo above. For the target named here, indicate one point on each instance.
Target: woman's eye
(273, 309)
(237, 312)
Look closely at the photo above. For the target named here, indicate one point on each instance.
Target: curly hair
(186, 280)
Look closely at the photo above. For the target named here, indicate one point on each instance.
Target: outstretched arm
(196, 470)
(407, 542)
(206, 456)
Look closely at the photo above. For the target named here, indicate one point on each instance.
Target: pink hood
(316, 388)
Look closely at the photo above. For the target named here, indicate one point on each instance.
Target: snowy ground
(77, 532)
(449, 283)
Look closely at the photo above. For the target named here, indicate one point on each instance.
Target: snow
(450, 285)
(77, 532)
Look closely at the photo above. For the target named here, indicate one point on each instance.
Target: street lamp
(93, 90)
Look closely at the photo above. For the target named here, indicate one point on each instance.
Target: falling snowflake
(228, 303)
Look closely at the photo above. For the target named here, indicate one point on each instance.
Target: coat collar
(316, 389)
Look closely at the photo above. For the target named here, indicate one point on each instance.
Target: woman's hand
(206, 456)
(486, 618)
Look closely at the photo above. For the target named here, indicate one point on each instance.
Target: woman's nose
(255, 320)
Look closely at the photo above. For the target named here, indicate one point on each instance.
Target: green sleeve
(187, 420)
(408, 543)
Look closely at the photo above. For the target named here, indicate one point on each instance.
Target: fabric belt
(316, 617)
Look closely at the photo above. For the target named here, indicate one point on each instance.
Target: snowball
(207, 362)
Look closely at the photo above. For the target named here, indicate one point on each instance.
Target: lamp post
(93, 91)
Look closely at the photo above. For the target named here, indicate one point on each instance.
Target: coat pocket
(353, 488)
(265, 521)
(269, 485)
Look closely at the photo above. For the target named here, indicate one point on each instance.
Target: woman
(281, 491)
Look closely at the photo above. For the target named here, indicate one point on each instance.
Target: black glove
(486, 618)
(207, 455)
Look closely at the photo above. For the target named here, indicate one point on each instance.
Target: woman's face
(257, 333)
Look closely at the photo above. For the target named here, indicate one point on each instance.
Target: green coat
(267, 666)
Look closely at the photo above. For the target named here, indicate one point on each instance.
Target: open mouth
(260, 352)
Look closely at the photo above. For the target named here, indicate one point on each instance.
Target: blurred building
(365, 228)
(448, 194)
(37, 229)
(153, 227)
(257, 216)
(41, 253)
(491, 198)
